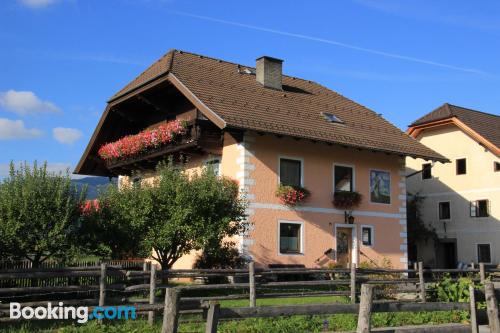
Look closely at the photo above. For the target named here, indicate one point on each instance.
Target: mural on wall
(380, 187)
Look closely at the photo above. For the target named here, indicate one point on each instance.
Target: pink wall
(316, 214)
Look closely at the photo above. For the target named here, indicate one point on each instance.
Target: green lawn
(293, 324)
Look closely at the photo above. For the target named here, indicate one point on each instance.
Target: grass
(292, 324)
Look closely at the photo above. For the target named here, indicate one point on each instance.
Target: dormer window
(330, 117)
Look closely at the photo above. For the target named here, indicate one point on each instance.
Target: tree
(417, 230)
(39, 214)
(174, 214)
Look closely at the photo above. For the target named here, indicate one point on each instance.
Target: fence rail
(113, 282)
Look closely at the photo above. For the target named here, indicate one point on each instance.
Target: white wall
(480, 182)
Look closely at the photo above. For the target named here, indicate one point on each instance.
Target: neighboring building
(261, 128)
(462, 198)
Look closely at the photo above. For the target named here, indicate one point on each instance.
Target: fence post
(212, 317)
(482, 273)
(492, 307)
(152, 289)
(473, 309)
(421, 281)
(251, 281)
(102, 285)
(365, 309)
(353, 283)
(170, 311)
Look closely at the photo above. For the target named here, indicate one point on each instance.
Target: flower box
(346, 199)
(134, 145)
(292, 195)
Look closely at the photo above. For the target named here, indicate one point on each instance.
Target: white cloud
(25, 102)
(15, 129)
(66, 135)
(37, 3)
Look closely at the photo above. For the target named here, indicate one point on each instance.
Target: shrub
(449, 290)
(221, 256)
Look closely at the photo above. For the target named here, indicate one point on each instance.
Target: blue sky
(62, 59)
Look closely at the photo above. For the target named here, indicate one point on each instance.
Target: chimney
(268, 72)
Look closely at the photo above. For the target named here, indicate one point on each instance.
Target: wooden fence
(251, 283)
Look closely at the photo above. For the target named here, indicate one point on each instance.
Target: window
(290, 172)
(461, 166)
(426, 171)
(344, 178)
(367, 235)
(444, 210)
(484, 253)
(496, 166)
(214, 164)
(290, 238)
(479, 208)
(330, 117)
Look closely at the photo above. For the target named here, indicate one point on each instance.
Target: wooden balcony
(201, 137)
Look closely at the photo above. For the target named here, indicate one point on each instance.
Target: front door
(344, 246)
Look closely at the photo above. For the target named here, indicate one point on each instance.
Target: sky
(61, 60)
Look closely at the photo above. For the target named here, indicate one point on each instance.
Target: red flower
(90, 206)
(132, 145)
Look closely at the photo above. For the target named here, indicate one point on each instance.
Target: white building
(461, 198)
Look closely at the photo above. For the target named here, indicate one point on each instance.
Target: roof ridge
(472, 110)
(238, 64)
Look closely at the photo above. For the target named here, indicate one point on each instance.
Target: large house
(461, 199)
(265, 129)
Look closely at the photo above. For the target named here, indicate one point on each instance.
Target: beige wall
(480, 182)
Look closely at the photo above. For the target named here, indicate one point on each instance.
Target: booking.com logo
(80, 313)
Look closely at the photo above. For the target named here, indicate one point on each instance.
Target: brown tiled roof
(233, 97)
(485, 124)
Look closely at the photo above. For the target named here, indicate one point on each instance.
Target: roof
(485, 124)
(232, 95)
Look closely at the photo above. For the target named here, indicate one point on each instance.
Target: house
(461, 199)
(263, 129)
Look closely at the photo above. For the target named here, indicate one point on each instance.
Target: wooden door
(344, 246)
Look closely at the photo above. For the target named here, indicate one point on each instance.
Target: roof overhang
(205, 110)
(415, 131)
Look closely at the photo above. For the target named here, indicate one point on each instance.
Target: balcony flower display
(346, 199)
(133, 145)
(292, 195)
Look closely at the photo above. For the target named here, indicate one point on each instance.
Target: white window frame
(353, 175)
(302, 232)
(211, 159)
(488, 203)
(491, 252)
(372, 234)
(370, 187)
(300, 159)
(449, 201)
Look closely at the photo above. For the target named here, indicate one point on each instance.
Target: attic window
(250, 71)
(332, 118)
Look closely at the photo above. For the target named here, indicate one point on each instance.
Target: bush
(449, 290)
(221, 256)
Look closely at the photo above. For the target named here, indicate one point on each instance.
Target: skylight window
(332, 118)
